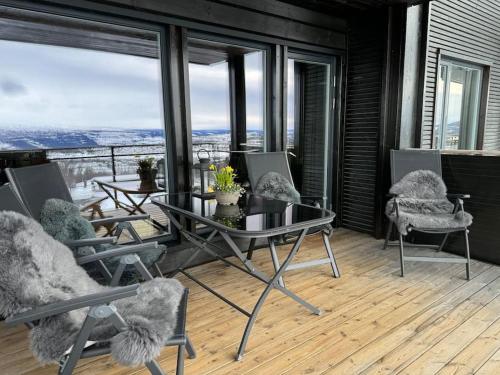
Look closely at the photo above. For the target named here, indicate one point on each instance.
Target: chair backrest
(9, 201)
(37, 183)
(260, 163)
(406, 161)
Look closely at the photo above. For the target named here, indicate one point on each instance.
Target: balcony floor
(373, 322)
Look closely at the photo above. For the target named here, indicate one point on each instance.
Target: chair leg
(250, 249)
(467, 253)
(276, 262)
(154, 368)
(441, 246)
(180, 360)
(190, 348)
(333, 262)
(401, 255)
(388, 235)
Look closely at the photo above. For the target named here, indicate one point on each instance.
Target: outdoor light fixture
(202, 176)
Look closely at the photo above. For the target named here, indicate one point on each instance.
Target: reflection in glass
(252, 212)
(89, 93)
(210, 119)
(457, 105)
(254, 90)
(308, 125)
(227, 102)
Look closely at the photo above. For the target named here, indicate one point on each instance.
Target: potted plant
(227, 191)
(146, 171)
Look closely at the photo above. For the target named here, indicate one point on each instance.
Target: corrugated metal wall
(366, 49)
(471, 29)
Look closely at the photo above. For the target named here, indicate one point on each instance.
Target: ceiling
(347, 6)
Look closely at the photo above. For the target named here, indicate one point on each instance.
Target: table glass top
(253, 213)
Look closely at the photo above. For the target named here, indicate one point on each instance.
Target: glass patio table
(253, 217)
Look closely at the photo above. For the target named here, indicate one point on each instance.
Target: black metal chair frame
(278, 162)
(402, 163)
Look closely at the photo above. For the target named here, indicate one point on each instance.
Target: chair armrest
(61, 307)
(116, 252)
(118, 219)
(458, 196)
(314, 199)
(91, 242)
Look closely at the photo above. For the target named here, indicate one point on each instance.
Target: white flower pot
(225, 199)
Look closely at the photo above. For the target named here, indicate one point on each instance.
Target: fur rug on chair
(62, 220)
(423, 204)
(36, 270)
(276, 186)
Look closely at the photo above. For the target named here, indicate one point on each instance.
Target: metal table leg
(249, 268)
(272, 283)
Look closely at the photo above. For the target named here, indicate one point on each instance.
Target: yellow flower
(212, 167)
(229, 169)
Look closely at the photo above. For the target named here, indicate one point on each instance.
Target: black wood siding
(478, 176)
(470, 29)
(365, 72)
(270, 18)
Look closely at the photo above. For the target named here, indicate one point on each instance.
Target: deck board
(373, 322)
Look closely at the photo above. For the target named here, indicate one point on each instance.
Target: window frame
(484, 66)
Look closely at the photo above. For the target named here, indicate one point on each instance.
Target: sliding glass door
(309, 135)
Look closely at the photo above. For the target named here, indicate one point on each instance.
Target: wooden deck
(374, 322)
(145, 228)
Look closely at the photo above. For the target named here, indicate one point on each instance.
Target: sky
(45, 86)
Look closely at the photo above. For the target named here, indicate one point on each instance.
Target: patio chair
(71, 317)
(38, 183)
(275, 164)
(127, 254)
(414, 170)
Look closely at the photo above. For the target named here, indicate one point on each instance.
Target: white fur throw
(423, 204)
(276, 186)
(35, 270)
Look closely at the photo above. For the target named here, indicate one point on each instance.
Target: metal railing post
(113, 165)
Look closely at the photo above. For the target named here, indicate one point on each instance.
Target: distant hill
(13, 139)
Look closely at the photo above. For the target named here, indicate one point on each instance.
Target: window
(88, 94)
(458, 104)
(227, 94)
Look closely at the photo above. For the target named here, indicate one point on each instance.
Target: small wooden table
(128, 188)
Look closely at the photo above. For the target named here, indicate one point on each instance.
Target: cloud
(12, 88)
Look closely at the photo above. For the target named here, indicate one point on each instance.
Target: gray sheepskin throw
(35, 270)
(423, 204)
(276, 186)
(62, 220)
